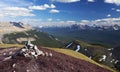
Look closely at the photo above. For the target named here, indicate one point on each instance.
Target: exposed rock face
(10, 27)
(29, 50)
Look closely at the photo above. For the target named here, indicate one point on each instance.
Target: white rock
(90, 57)
(50, 54)
(33, 53)
(13, 65)
(46, 54)
(4, 54)
(7, 58)
(112, 60)
(10, 52)
(85, 49)
(23, 50)
(28, 70)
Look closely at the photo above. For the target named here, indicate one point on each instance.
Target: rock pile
(29, 50)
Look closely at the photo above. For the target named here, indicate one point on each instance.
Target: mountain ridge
(51, 64)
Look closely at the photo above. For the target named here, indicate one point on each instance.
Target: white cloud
(114, 9)
(71, 22)
(54, 11)
(52, 6)
(42, 7)
(56, 23)
(15, 12)
(91, 0)
(50, 22)
(66, 1)
(50, 19)
(46, 6)
(117, 2)
(37, 7)
(31, 21)
(105, 21)
(108, 15)
(14, 3)
(117, 10)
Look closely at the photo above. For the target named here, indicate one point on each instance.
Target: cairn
(29, 50)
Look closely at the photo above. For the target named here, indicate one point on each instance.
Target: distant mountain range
(88, 27)
(95, 27)
(108, 36)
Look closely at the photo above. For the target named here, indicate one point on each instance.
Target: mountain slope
(10, 27)
(57, 63)
(97, 53)
(37, 37)
(108, 38)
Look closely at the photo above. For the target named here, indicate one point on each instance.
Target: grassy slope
(10, 45)
(79, 56)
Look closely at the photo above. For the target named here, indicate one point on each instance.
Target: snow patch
(111, 49)
(103, 58)
(69, 45)
(78, 48)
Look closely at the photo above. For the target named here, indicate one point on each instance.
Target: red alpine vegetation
(58, 62)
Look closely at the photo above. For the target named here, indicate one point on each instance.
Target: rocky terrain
(9, 27)
(58, 62)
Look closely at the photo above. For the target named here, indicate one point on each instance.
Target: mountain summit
(57, 62)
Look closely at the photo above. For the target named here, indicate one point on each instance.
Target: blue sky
(61, 12)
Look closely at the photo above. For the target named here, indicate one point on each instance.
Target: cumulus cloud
(91, 0)
(117, 2)
(52, 6)
(66, 1)
(37, 7)
(15, 12)
(54, 11)
(109, 15)
(117, 10)
(42, 7)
